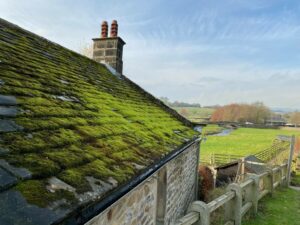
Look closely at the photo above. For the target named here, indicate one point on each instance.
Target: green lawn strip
(281, 209)
(243, 141)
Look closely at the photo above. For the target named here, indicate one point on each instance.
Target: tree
(165, 100)
(260, 112)
(184, 112)
(295, 118)
(255, 113)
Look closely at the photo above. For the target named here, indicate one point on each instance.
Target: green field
(281, 209)
(195, 114)
(212, 129)
(243, 141)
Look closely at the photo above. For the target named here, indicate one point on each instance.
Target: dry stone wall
(181, 184)
(136, 208)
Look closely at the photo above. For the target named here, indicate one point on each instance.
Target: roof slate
(70, 131)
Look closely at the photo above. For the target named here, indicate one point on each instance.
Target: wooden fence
(264, 155)
(270, 153)
(220, 159)
(239, 198)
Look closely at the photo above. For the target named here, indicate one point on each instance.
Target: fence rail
(264, 155)
(239, 198)
(271, 152)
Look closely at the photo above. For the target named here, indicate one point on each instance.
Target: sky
(198, 51)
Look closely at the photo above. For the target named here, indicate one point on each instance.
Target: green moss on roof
(78, 119)
(33, 189)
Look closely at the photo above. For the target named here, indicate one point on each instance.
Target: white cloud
(211, 52)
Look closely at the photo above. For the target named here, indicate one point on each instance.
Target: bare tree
(255, 113)
(295, 118)
(184, 112)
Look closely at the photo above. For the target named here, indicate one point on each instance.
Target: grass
(211, 129)
(195, 114)
(295, 180)
(243, 141)
(281, 209)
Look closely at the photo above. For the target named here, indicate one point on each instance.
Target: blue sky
(205, 51)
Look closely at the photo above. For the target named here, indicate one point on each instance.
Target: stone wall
(136, 208)
(181, 184)
(141, 205)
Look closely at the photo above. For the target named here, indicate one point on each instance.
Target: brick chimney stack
(109, 50)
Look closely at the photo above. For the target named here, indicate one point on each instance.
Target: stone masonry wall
(139, 207)
(181, 184)
(136, 208)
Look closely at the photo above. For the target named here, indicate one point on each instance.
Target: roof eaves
(87, 212)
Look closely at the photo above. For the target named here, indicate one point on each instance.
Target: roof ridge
(45, 39)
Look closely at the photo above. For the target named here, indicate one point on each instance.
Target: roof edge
(85, 213)
(45, 39)
(110, 38)
(159, 102)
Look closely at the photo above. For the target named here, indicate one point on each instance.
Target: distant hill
(283, 110)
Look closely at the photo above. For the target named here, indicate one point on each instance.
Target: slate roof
(71, 133)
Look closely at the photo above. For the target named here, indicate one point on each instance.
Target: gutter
(85, 213)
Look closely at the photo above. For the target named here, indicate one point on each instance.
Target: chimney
(104, 29)
(114, 29)
(109, 50)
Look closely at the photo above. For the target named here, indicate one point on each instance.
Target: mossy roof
(70, 131)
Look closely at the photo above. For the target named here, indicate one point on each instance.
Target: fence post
(203, 209)
(254, 192)
(233, 208)
(292, 147)
(282, 182)
(270, 178)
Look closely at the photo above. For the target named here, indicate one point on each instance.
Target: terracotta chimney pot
(114, 29)
(104, 29)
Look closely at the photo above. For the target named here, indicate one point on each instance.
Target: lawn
(281, 209)
(243, 141)
(212, 129)
(195, 114)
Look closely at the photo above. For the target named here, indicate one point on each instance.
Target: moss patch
(35, 193)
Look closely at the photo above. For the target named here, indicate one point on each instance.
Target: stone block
(6, 179)
(18, 172)
(9, 126)
(10, 111)
(8, 100)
